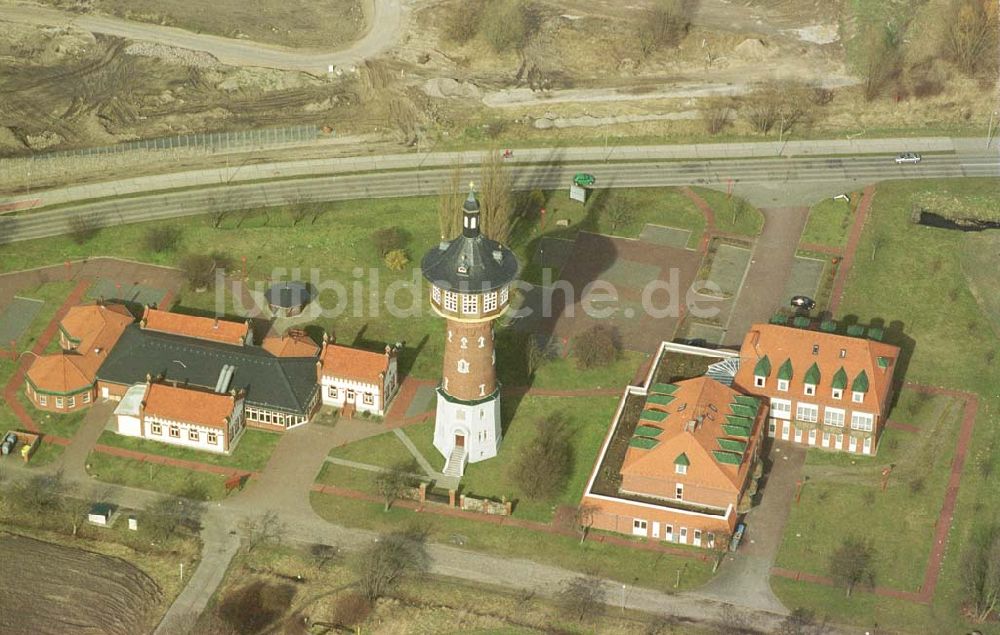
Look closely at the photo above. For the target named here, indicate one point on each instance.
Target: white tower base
(472, 426)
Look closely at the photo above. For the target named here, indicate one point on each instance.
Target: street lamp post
(989, 129)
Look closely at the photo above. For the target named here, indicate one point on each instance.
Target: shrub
(255, 606)
(596, 347)
(509, 24)
(387, 239)
(396, 260)
(541, 471)
(162, 238)
(82, 228)
(351, 609)
(663, 25)
(199, 269)
(462, 21)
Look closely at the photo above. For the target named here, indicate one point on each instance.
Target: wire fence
(212, 141)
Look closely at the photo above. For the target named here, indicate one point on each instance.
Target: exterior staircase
(455, 466)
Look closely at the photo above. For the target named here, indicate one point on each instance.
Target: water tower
(470, 280)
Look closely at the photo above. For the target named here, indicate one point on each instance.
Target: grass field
(384, 450)
(251, 453)
(917, 280)
(641, 568)
(159, 478)
(830, 221)
(899, 521)
(748, 223)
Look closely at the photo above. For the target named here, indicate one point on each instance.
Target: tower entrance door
(459, 440)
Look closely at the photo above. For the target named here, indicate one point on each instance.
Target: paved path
(387, 17)
(746, 574)
(770, 264)
(850, 251)
(74, 459)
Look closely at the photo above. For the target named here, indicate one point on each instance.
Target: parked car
(908, 157)
(803, 302)
(584, 180)
(737, 537)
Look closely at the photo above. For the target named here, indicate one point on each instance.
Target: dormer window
(761, 371)
(681, 464)
(837, 393)
(810, 389)
(811, 379)
(784, 375)
(843, 353)
(783, 385)
(759, 381)
(815, 349)
(857, 397)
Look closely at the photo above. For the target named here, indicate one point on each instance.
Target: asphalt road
(387, 18)
(416, 182)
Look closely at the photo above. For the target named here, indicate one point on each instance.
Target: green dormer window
(840, 379)
(763, 367)
(860, 383)
(785, 372)
(883, 362)
(681, 464)
(811, 380)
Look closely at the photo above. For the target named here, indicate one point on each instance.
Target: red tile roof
(692, 399)
(204, 328)
(290, 344)
(96, 325)
(833, 352)
(344, 362)
(62, 373)
(187, 405)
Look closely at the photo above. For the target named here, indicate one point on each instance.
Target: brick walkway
(945, 517)
(709, 215)
(853, 239)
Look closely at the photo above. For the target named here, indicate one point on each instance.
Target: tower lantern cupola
(470, 215)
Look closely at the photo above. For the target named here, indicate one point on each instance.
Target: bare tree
(879, 240)
(450, 203)
(663, 25)
(266, 529)
(582, 598)
(390, 559)
(773, 103)
(881, 61)
(168, 515)
(715, 113)
(77, 509)
(495, 200)
(584, 517)
(853, 563)
(799, 622)
(323, 554)
(391, 483)
(739, 208)
(981, 572)
(40, 494)
(619, 212)
(541, 471)
(971, 34)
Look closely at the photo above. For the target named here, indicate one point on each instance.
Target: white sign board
(578, 193)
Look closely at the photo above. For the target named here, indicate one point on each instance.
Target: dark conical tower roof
(471, 262)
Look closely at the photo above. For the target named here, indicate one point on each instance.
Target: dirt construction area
(48, 589)
(477, 73)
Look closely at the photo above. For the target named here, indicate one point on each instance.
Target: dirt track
(48, 589)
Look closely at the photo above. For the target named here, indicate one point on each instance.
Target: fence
(210, 140)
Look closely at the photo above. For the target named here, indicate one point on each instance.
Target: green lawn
(916, 283)
(562, 373)
(251, 453)
(749, 221)
(588, 419)
(830, 221)
(900, 521)
(60, 425)
(45, 453)
(159, 478)
(658, 571)
(349, 477)
(384, 450)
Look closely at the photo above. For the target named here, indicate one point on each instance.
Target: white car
(908, 157)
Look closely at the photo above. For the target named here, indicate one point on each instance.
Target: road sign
(578, 193)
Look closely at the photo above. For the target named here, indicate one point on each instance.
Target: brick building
(186, 417)
(66, 381)
(356, 380)
(685, 454)
(825, 390)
